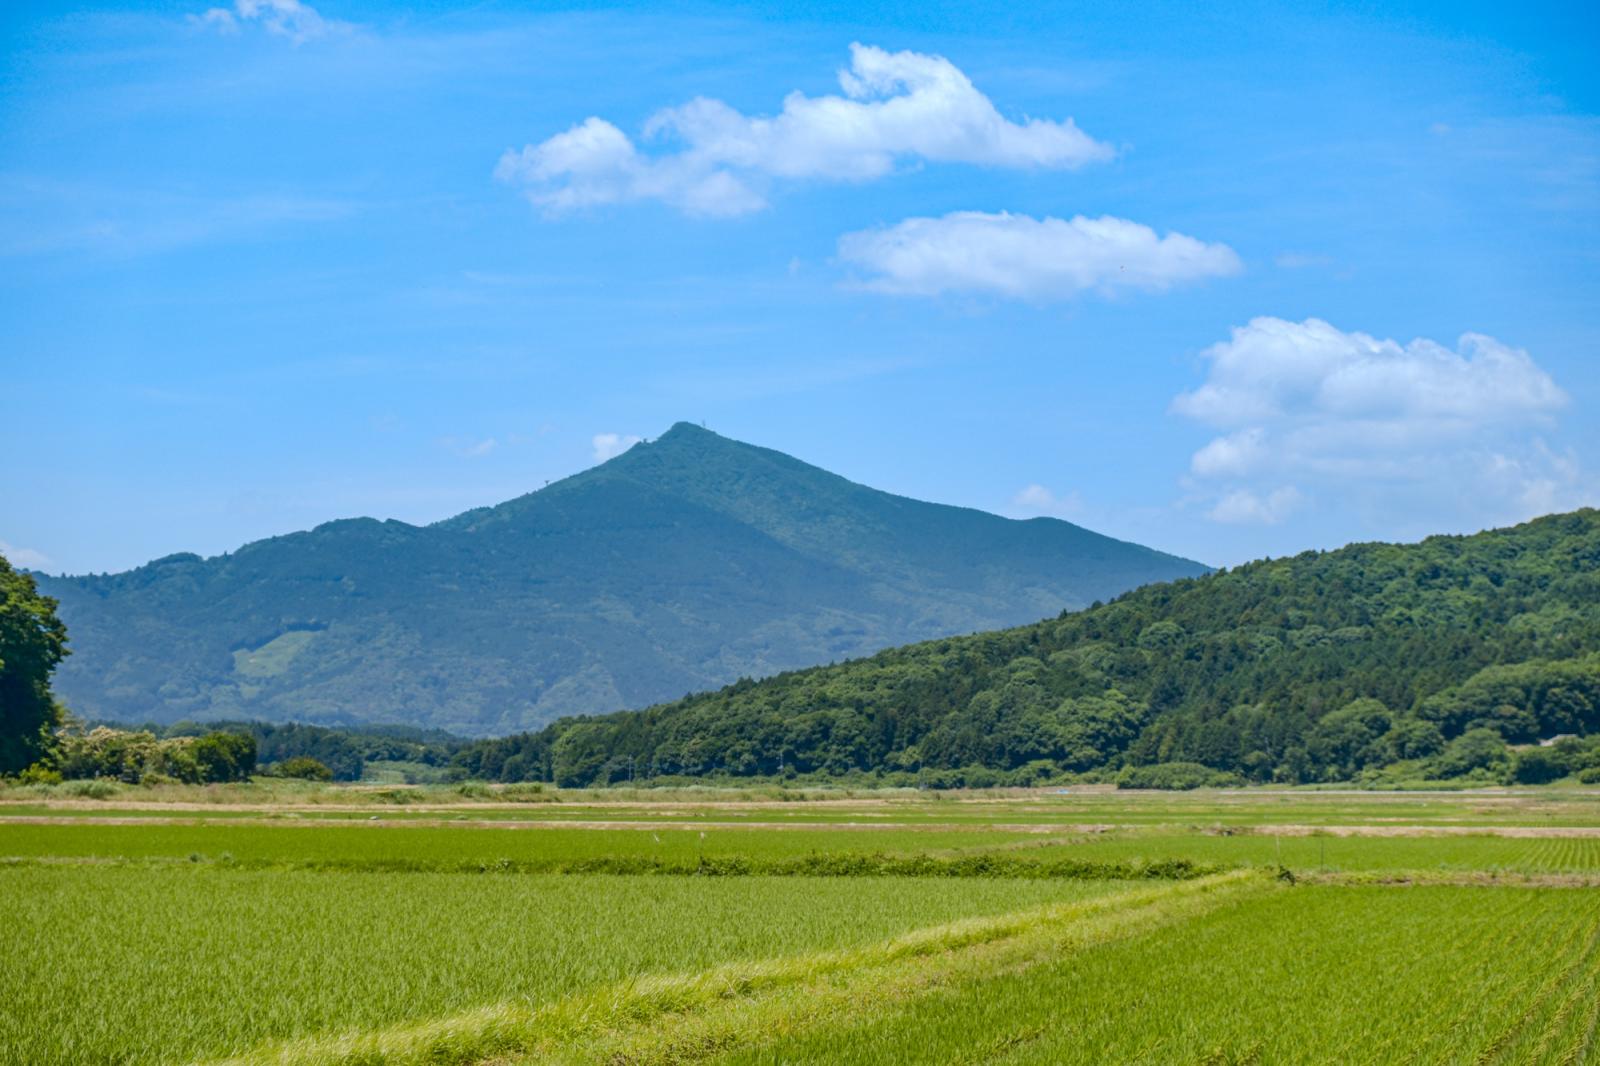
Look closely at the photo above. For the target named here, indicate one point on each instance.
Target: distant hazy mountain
(684, 564)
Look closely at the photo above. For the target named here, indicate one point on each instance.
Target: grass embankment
(688, 1016)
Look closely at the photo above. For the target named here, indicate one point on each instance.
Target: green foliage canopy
(32, 642)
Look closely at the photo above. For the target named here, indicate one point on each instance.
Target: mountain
(681, 565)
(1316, 667)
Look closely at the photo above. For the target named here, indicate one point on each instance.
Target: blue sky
(1283, 281)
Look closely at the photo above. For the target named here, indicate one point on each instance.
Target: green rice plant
(447, 847)
(1322, 852)
(684, 1017)
(1313, 974)
(165, 963)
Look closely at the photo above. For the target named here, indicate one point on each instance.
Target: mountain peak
(681, 564)
(688, 431)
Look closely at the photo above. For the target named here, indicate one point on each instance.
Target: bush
(305, 768)
(1591, 776)
(39, 774)
(1176, 776)
(225, 756)
(98, 790)
(1479, 749)
(1538, 766)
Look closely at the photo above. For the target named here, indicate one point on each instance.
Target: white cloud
(1395, 427)
(896, 106)
(1038, 500)
(1273, 369)
(1027, 258)
(1232, 455)
(1241, 506)
(611, 445)
(24, 558)
(282, 18)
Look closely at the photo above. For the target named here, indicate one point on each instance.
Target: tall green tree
(32, 642)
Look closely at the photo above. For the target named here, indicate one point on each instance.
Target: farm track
(377, 821)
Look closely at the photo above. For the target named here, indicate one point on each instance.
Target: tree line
(1474, 658)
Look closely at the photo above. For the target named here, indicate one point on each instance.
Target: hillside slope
(680, 565)
(1299, 669)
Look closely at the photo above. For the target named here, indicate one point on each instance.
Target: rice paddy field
(299, 925)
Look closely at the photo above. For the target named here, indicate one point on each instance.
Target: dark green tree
(305, 768)
(225, 756)
(32, 642)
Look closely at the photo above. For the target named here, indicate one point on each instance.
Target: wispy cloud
(1020, 257)
(1244, 507)
(1301, 260)
(88, 217)
(610, 445)
(468, 447)
(25, 558)
(290, 19)
(895, 105)
(1038, 500)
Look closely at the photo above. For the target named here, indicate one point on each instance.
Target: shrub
(39, 774)
(1591, 776)
(1176, 776)
(95, 789)
(305, 768)
(225, 756)
(1479, 749)
(1538, 766)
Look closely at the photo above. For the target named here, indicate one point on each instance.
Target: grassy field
(288, 926)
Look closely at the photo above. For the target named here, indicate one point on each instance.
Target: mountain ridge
(683, 563)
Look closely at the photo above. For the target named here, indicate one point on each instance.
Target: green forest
(1451, 658)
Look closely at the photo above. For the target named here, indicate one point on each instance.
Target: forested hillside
(678, 566)
(1315, 667)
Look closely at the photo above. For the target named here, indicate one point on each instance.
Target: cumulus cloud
(24, 558)
(1028, 258)
(1352, 416)
(1272, 369)
(611, 445)
(282, 18)
(716, 160)
(1038, 500)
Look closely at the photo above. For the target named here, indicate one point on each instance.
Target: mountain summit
(682, 564)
